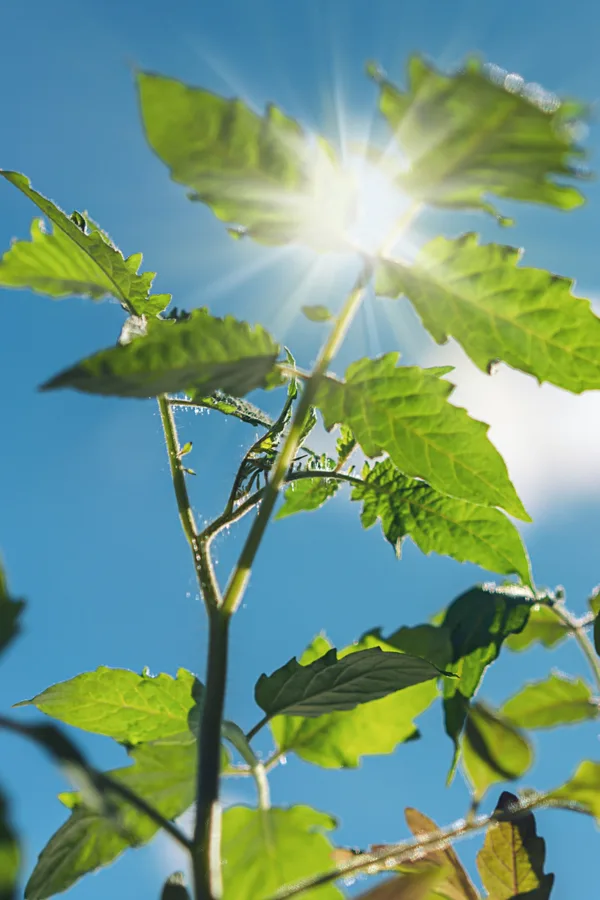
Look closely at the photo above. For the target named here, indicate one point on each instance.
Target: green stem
(234, 734)
(577, 628)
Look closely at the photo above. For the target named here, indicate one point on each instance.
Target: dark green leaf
(330, 684)
(493, 749)
(438, 523)
(426, 641)
(202, 353)
(339, 739)
(466, 137)
(456, 884)
(583, 789)
(260, 173)
(123, 705)
(405, 412)
(163, 774)
(317, 313)
(76, 259)
(10, 855)
(511, 861)
(597, 634)
(479, 621)
(174, 888)
(306, 495)
(264, 849)
(556, 701)
(497, 311)
(10, 613)
(543, 625)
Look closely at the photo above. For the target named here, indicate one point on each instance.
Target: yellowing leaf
(455, 884)
(404, 411)
(497, 311)
(420, 885)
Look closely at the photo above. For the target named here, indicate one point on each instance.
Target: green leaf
(76, 259)
(543, 626)
(123, 705)
(233, 406)
(511, 861)
(456, 884)
(332, 684)
(405, 412)
(174, 888)
(597, 634)
(201, 352)
(465, 137)
(426, 641)
(582, 790)
(339, 739)
(163, 774)
(260, 173)
(479, 621)
(10, 855)
(317, 313)
(10, 613)
(306, 495)
(264, 849)
(493, 749)
(497, 311)
(594, 600)
(344, 445)
(438, 523)
(558, 700)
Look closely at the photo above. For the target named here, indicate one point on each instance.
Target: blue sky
(88, 527)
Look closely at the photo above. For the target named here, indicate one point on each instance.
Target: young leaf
(493, 749)
(594, 600)
(466, 137)
(340, 739)
(256, 172)
(556, 701)
(527, 318)
(317, 313)
(511, 861)
(76, 259)
(10, 613)
(163, 774)
(10, 855)
(583, 789)
(174, 888)
(232, 406)
(330, 684)
(306, 495)
(344, 445)
(438, 523)
(456, 884)
(405, 412)
(123, 705)
(201, 352)
(543, 626)
(264, 849)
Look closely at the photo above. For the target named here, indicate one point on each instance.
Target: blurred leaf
(493, 749)
(456, 884)
(10, 613)
(306, 495)
(344, 445)
(511, 861)
(479, 621)
(332, 684)
(264, 849)
(163, 774)
(174, 888)
(202, 353)
(259, 173)
(10, 855)
(76, 259)
(317, 313)
(527, 318)
(405, 412)
(123, 705)
(465, 137)
(232, 406)
(558, 700)
(419, 885)
(597, 634)
(583, 789)
(438, 523)
(339, 739)
(543, 626)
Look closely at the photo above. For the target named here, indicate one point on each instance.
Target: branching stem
(577, 628)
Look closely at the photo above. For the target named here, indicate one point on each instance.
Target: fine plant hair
(416, 465)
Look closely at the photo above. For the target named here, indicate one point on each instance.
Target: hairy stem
(577, 628)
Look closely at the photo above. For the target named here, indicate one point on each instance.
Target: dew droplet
(283, 760)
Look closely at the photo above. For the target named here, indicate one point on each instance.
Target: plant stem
(577, 628)
(234, 734)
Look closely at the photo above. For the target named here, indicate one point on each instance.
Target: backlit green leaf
(10, 856)
(339, 739)
(583, 789)
(511, 861)
(260, 173)
(344, 445)
(232, 406)
(465, 137)
(493, 749)
(123, 705)
(306, 495)
(558, 700)
(405, 412)
(163, 773)
(438, 523)
(543, 626)
(332, 684)
(201, 352)
(317, 313)
(527, 318)
(263, 850)
(77, 258)
(10, 613)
